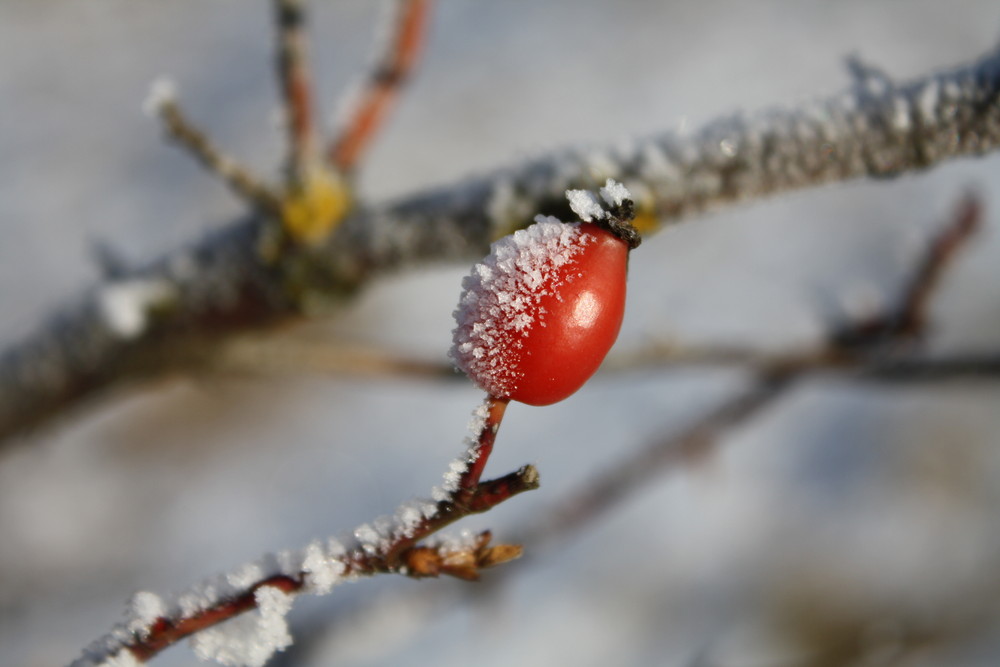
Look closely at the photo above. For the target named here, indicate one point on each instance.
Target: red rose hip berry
(539, 314)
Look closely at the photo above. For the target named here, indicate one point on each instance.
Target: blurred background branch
(168, 317)
(848, 521)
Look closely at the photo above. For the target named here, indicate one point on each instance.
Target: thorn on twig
(870, 80)
(109, 261)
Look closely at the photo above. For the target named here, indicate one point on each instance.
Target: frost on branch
(238, 619)
(249, 640)
(588, 207)
(144, 609)
(126, 306)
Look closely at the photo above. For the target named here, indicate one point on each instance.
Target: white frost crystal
(163, 91)
(125, 306)
(249, 640)
(614, 193)
(143, 610)
(585, 204)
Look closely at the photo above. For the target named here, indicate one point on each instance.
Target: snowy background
(845, 513)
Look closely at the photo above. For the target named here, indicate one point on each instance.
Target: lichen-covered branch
(165, 317)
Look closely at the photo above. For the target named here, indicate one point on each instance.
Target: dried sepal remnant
(463, 562)
(540, 312)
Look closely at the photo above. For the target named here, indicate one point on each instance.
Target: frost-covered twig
(866, 132)
(162, 102)
(367, 110)
(389, 545)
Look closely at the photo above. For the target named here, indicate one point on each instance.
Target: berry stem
(495, 408)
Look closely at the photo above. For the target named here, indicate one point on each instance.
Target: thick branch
(223, 284)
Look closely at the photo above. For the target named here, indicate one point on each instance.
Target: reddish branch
(165, 632)
(400, 555)
(907, 320)
(296, 86)
(912, 317)
(383, 85)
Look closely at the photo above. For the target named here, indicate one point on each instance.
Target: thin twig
(381, 89)
(296, 88)
(870, 346)
(606, 490)
(246, 186)
(389, 546)
(907, 321)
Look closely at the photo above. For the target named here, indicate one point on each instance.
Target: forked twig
(907, 321)
(378, 93)
(390, 545)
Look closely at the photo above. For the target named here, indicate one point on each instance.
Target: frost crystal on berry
(499, 303)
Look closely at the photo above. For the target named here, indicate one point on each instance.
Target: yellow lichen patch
(645, 221)
(314, 208)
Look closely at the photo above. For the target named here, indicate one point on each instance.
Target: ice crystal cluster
(499, 302)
